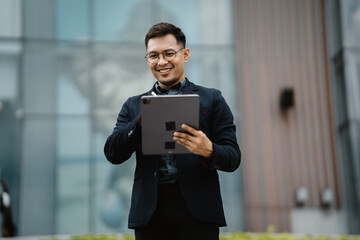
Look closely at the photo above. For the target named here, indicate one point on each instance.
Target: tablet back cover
(162, 116)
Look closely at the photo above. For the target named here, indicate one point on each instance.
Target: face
(168, 73)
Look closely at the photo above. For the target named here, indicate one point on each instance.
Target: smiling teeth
(166, 70)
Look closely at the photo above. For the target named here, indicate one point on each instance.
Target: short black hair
(163, 29)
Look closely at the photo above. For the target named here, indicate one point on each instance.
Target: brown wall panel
(280, 43)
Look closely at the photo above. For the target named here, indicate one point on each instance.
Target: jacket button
(130, 133)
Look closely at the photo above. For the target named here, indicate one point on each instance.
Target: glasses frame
(162, 53)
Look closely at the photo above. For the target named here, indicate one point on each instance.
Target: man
(176, 196)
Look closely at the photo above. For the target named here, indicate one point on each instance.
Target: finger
(191, 130)
(183, 138)
(186, 140)
(184, 143)
(183, 135)
(187, 145)
(191, 146)
(179, 135)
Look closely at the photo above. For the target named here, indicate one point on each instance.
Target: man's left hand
(196, 142)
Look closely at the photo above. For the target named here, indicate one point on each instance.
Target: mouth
(164, 71)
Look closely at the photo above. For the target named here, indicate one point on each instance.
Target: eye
(169, 54)
(153, 56)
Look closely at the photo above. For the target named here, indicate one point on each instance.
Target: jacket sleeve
(226, 152)
(125, 137)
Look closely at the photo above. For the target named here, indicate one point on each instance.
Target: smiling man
(176, 196)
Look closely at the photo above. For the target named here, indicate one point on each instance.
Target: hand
(196, 142)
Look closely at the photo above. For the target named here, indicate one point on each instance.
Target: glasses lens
(152, 57)
(169, 55)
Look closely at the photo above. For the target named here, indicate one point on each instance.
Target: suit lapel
(190, 88)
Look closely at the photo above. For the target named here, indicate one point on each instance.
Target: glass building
(66, 67)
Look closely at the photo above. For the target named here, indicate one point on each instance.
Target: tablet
(162, 116)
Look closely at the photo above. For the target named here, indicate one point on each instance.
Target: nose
(162, 60)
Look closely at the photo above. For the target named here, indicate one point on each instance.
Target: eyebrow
(162, 51)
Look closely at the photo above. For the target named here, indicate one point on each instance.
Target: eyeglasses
(169, 54)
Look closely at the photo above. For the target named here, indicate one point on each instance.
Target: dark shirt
(167, 169)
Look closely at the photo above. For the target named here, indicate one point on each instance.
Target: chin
(168, 83)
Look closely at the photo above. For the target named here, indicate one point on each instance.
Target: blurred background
(289, 69)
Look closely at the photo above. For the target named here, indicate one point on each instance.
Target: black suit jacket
(199, 182)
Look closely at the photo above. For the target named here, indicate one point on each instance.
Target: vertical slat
(328, 107)
(320, 96)
(251, 189)
(296, 76)
(288, 122)
(306, 104)
(301, 97)
(255, 56)
(263, 113)
(314, 110)
(278, 80)
(272, 29)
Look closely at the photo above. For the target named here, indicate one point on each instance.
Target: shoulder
(207, 94)
(204, 90)
(137, 98)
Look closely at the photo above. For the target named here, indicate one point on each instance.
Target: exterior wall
(282, 44)
(66, 68)
(315, 220)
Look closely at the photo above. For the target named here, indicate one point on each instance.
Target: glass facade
(10, 122)
(10, 117)
(66, 67)
(344, 44)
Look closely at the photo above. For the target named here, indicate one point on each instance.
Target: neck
(168, 87)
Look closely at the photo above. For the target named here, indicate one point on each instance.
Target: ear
(186, 54)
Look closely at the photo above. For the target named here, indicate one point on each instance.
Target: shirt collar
(177, 89)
